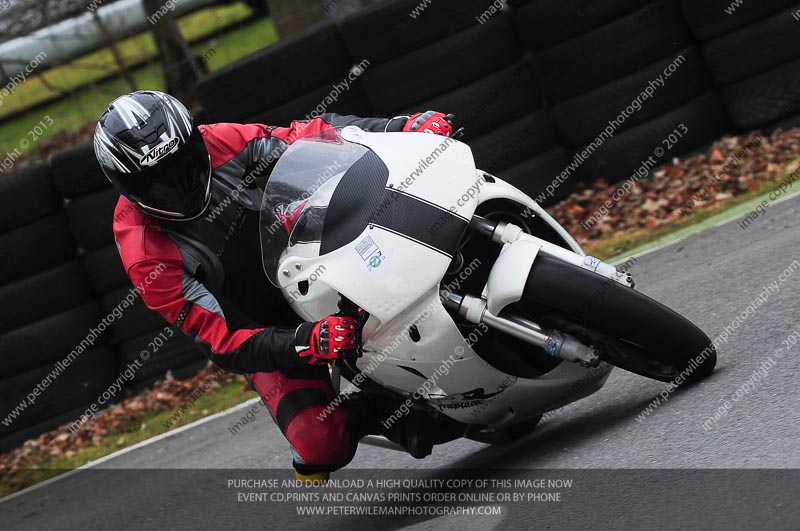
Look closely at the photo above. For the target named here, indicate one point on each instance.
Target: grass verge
(96, 65)
(210, 402)
(81, 108)
(637, 241)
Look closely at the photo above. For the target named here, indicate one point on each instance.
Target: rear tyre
(504, 435)
(631, 330)
(518, 431)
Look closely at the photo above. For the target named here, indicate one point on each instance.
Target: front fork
(555, 343)
(507, 233)
(478, 310)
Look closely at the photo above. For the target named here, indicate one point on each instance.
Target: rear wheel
(504, 435)
(630, 330)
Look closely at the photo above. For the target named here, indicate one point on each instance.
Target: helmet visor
(177, 187)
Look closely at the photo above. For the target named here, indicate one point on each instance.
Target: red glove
(328, 340)
(289, 218)
(430, 122)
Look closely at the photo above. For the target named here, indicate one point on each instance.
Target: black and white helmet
(149, 148)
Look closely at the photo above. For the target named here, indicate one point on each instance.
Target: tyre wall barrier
(65, 328)
(538, 81)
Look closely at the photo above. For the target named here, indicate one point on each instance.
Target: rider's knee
(321, 441)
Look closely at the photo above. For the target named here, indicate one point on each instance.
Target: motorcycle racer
(187, 219)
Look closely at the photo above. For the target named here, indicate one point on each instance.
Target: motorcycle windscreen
(298, 194)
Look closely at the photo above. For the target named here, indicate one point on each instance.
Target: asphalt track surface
(662, 471)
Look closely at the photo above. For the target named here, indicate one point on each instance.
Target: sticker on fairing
(366, 248)
(376, 260)
(370, 253)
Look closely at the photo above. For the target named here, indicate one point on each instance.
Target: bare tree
(293, 16)
(111, 42)
(177, 59)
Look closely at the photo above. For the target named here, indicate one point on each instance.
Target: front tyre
(631, 330)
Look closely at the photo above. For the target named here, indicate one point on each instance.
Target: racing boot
(378, 415)
(316, 479)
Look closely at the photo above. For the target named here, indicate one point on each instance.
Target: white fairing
(407, 270)
(397, 280)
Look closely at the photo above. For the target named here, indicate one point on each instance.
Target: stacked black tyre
(442, 50)
(595, 59)
(51, 363)
(753, 52)
(294, 79)
(90, 208)
(458, 57)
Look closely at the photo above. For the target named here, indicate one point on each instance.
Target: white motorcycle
(477, 309)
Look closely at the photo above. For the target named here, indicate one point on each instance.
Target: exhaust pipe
(380, 441)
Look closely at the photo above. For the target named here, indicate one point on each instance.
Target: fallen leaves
(730, 167)
(165, 395)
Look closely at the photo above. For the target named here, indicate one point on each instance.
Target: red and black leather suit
(206, 277)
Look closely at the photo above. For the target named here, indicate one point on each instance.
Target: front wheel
(630, 330)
